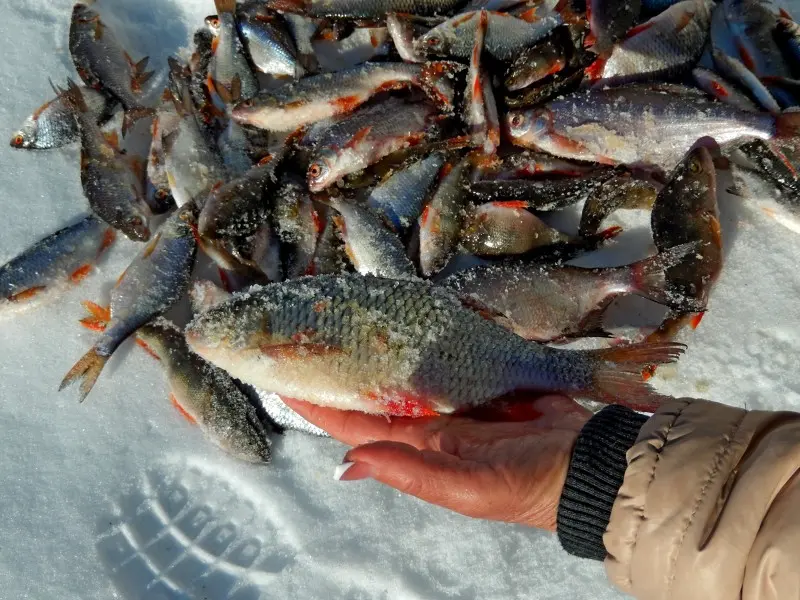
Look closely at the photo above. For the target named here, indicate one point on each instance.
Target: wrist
(592, 479)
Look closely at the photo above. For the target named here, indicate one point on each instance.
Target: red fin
(695, 319)
(358, 137)
(225, 280)
(747, 58)
(531, 15)
(346, 104)
(637, 29)
(783, 12)
(719, 89)
(144, 346)
(108, 238)
(93, 324)
(595, 70)
(80, 273)
(102, 313)
(610, 233)
(373, 39)
(26, 295)
(510, 204)
(181, 410)
(783, 158)
(150, 247)
(590, 39)
(400, 403)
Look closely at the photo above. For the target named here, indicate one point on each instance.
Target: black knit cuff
(594, 477)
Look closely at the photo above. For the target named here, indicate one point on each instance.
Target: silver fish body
(374, 8)
(722, 89)
(667, 44)
(53, 124)
(53, 263)
(371, 246)
(637, 125)
(401, 197)
(207, 395)
(506, 35)
(268, 43)
(365, 137)
(329, 94)
(230, 60)
(398, 347)
(155, 280)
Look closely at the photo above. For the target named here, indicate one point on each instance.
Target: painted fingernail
(351, 471)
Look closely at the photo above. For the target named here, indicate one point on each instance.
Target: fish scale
(375, 354)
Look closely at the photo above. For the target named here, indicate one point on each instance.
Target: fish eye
(433, 41)
(161, 195)
(695, 166)
(136, 222)
(517, 120)
(315, 170)
(247, 103)
(17, 141)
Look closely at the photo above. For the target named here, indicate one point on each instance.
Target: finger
(356, 428)
(434, 477)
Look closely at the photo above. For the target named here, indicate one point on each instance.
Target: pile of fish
(338, 159)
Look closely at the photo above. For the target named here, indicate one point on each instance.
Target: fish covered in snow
(401, 348)
(53, 263)
(642, 125)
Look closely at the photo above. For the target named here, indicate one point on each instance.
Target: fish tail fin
(225, 6)
(617, 373)
(86, 370)
(787, 125)
(649, 279)
(134, 114)
(435, 79)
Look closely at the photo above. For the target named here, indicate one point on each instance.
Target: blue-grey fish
(401, 197)
(53, 263)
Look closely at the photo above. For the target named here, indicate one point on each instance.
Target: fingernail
(351, 471)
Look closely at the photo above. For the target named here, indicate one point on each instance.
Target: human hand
(511, 472)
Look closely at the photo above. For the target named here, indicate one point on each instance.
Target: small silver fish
(153, 283)
(722, 89)
(53, 124)
(268, 42)
(372, 248)
(506, 35)
(401, 197)
(232, 77)
(52, 264)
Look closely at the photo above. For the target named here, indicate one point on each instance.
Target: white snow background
(121, 498)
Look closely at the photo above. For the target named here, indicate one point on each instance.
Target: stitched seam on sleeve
(723, 451)
(670, 425)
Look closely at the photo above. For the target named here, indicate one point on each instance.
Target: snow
(121, 498)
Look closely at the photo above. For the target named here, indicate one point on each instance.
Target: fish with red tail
(402, 347)
(151, 285)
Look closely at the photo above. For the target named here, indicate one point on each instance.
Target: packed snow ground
(120, 497)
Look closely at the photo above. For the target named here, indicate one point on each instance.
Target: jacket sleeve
(709, 507)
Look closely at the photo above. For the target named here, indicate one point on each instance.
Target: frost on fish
(398, 347)
(63, 258)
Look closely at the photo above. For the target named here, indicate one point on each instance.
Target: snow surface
(121, 498)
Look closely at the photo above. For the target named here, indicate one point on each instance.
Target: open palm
(505, 471)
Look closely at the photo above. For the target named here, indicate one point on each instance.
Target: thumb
(434, 477)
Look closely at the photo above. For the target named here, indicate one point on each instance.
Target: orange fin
(108, 238)
(80, 273)
(94, 324)
(100, 312)
(694, 320)
(184, 413)
(26, 295)
(146, 347)
(346, 104)
(86, 370)
(747, 58)
(637, 29)
(359, 137)
(516, 204)
(400, 403)
(112, 137)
